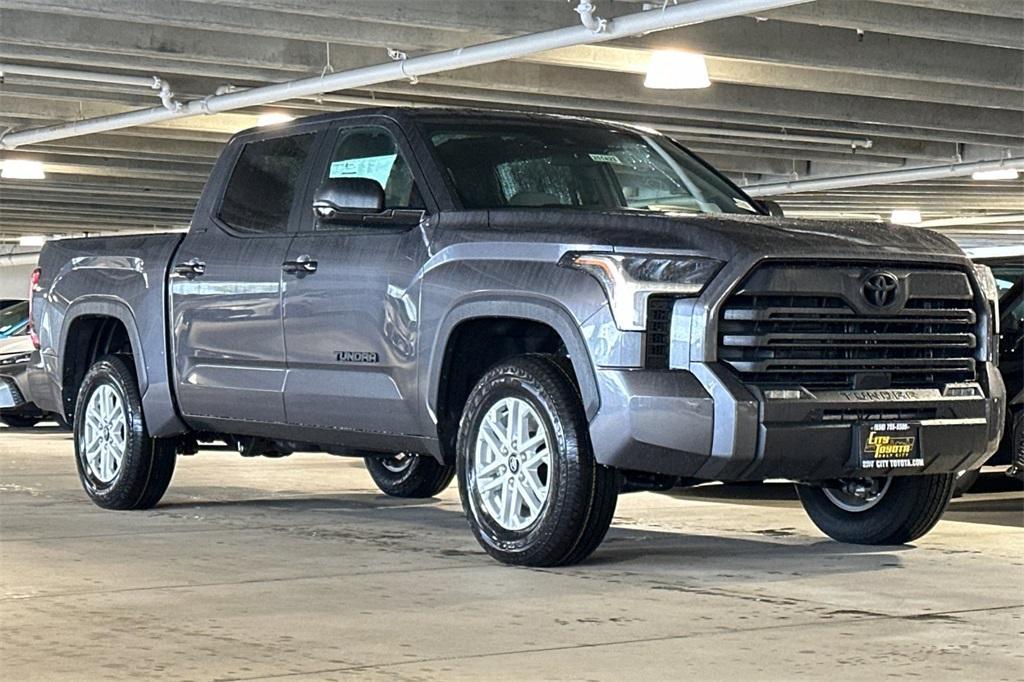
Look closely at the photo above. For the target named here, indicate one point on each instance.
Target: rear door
(226, 303)
(351, 326)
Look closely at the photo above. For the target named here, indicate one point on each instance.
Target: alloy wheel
(858, 494)
(512, 464)
(105, 434)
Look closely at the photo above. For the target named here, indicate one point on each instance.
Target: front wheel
(530, 487)
(409, 475)
(878, 511)
(119, 464)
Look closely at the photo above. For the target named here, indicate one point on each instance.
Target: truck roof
(413, 114)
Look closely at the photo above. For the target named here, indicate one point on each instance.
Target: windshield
(13, 319)
(530, 165)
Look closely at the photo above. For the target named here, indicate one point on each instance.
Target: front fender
(517, 306)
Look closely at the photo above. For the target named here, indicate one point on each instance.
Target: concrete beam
(724, 70)
(919, 22)
(624, 87)
(58, 164)
(42, 105)
(885, 152)
(1012, 9)
(374, 24)
(762, 100)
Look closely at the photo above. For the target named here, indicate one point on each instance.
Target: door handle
(303, 265)
(193, 267)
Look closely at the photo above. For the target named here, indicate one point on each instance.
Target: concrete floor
(298, 569)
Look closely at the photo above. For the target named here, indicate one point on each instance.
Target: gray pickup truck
(554, 309)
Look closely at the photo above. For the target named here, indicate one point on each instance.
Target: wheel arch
(94, 327)
(534, 317)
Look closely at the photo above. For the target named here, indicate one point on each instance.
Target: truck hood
(725, 237)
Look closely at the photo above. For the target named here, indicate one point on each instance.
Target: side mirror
(773, 208)
(340, 197)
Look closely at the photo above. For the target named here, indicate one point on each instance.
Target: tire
(18, 421)
(906, 508)
(407, 475)
(545, 465)
(110, 395)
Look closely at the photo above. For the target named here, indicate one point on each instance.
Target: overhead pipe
(162, 87)
(955, 170)
(690, 13)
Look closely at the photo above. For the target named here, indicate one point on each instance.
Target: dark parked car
(1009, 276)
(556, 310)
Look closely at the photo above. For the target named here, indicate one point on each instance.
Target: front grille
(659, 332)
(801, 325)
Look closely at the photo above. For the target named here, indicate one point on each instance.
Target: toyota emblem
(881, 289)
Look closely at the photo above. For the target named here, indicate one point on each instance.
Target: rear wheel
(409, 475)
(119, 464)
(878, 511)
(530, 487)
(18, 421)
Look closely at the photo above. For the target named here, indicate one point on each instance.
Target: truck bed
(125, 277)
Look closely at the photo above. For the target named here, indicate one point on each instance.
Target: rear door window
(259, 195)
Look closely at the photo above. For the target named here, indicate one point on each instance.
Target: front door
(226, 282)
(351, 324)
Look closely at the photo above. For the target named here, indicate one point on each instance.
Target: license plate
(885, 446)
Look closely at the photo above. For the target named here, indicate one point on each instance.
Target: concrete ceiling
(877, 85)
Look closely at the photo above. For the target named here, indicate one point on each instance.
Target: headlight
(991, 292)
(629, 280)
(15, 359)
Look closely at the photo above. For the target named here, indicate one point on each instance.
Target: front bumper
(706, 424)
(16, 395)
(10, 396)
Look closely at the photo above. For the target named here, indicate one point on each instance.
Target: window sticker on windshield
(744, 205)
(371, 167)
(605, 158)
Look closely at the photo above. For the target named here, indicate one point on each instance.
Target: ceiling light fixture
(273, 118)
(674, 70)
(998, 174)
(22, 169)
(905, 216)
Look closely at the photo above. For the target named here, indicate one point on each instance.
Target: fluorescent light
(22, 169)
(905, 216)
(998, 174)
(273, 118)
(673, 70)
(32, 240)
